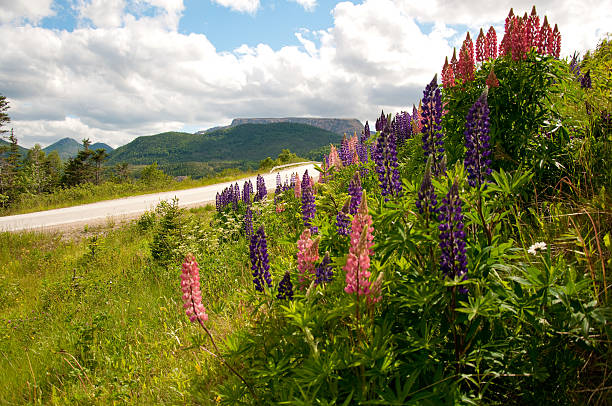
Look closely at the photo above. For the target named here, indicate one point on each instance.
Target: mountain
(23, 151)
(247, 142)
(69, 147)
(336, 125)
(66, 148)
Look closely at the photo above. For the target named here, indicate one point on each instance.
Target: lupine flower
(402, 127)
(358, 260)
(385, 156)
(585, 82)
(285, 288)
(297, 189)
(491, 44)
(366, 133)
(324, 272)
(427, 200)
(218, 202)
(343, 221)
(260, 264)
(308, 203)
(454, 63)
(492, 80)
(417, 125)
(293, 180)
(248, 222)
(545, 38)
(247, 189)
(477, 160)
(192, 295)
(453, 260)
(448, 76)
(556, 42)
(354, 191)
(533, 29)
(480, 48)
(261, 188)
(381, 122)
(537, 247)
(375, 290)
(432, 125)
(345, 152)
(334, 158)
(279, 188)
(307, 255)
(575, 67)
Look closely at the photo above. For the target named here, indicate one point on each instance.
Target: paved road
(132, 206)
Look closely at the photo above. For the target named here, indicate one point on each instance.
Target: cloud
(309, 5)
(130, 73)
(242, 6)
(25, 10)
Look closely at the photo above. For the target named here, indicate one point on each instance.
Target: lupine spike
(190, 286)
(477, 160)
(260, 264)
(453, 259)
(343, 221)
(492, 80)
(285, 288)
(480, 47)
(307, 255)
(308, 203)
(358, 260)
(432, 125)
(427, 200)
(491, 44)
(324, 272)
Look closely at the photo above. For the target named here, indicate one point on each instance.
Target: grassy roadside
(76, 327)
(90, 193)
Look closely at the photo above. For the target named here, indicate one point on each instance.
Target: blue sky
(113, 70)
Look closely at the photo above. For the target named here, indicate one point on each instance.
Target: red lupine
(491, 44)
(466, 65)
(556, 42)
(492, 80)
(454, 62)
(533, 29)
(469, 46)
(448, 76)
(545, 38)
(480, 48)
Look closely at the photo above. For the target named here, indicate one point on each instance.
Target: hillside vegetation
(248, 142)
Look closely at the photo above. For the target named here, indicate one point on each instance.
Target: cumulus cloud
(131, 73)
(242, 6)
(25, 10)
(309, 5)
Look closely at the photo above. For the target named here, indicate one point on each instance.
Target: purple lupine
(453, 259)
(248, 222)
(308, 203)
(218, 202)
(354, 190)
(260, 264)
(366, 133)
(261, 189)
(477, 160)
(236, 196)
(431, 125)
(575, 67)
(324, 273)
(402, 127)
(385, 156)
(343, 221)
(381, 122)
(285, 288)
(585, 82)
(279, 188)
(345, 153)
(427, 200)
(246, 192)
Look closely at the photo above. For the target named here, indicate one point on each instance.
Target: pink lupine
(307, 255)
(297, 189)
(545, 39)
(358, 260)
(334, 158)
(533, 29)
(454, 62)
(192, 296)
(375, 290)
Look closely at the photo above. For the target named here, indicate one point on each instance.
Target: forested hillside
(248, 142)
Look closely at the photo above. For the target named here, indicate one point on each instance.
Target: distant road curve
(134, 205)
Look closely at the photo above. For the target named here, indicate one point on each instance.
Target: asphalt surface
(130, 207)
